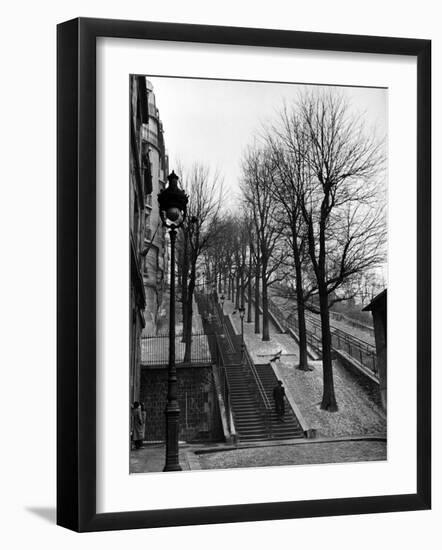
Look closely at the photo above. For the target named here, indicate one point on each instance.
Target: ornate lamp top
(173, 202)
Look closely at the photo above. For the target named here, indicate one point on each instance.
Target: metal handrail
(229, 333)
(255, 374)
(225, 386)
(357, 348)
(261, 391)
(248, 360)
(343, 334)
(274, 308)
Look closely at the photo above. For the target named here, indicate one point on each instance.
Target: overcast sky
(213, 121)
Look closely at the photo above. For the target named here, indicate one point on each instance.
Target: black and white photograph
(206, 207)
(258, 273)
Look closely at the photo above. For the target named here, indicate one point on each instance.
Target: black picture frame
(76, 274)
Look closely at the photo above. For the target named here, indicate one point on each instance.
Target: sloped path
(357, 414)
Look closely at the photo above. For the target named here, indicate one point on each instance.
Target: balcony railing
(155, 349)
(144, 132)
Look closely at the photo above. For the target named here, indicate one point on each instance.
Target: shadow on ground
(48, 514)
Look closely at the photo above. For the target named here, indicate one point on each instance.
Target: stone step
(249, 421)
(242, 404)
(241, 428)
(251, 427)
(239, 397)
(252, 439)
(282, 426)
(253, 433)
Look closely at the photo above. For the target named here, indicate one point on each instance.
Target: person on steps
(278, 397)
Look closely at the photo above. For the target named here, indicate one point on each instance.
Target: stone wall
(367, 383)
(199, 410)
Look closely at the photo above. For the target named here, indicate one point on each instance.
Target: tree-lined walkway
(357, 414)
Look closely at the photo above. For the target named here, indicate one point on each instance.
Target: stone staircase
(289, 427)
(250, 422)
(253, 421)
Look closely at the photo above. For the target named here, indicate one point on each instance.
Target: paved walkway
(151, 457)
(358, 414)
(297, 454)
(261, 351)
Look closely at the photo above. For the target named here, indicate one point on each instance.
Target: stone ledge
(309, 431)
(310, 351)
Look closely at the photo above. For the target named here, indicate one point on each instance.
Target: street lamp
(222, 302)
(241, 316)
(173, 208)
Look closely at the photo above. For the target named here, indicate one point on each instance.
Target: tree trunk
(187, 330)
(238, 292)
(243, 288)
(184, 267)
(328, 398)
(302, 330)
(265, 308)
(257, 300)
(249, 292)
(184, 300)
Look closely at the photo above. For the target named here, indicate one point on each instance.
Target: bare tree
(285, 189)
(205, 191)
(258, 174)
(338, 195)
(367, 285)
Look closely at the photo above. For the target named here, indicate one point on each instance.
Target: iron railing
(262, 393)
(219, 366)
(250, 371)
(155, 349)
(363, 352)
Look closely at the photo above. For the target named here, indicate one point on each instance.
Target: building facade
(378, 308)
(148, 248)
(139, 188)
(155, 266)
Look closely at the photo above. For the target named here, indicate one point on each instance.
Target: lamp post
(173, 208)
(241, 316)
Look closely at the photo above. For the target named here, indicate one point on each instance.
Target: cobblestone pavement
(284, 455)
(358, 414)
(151, 458)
